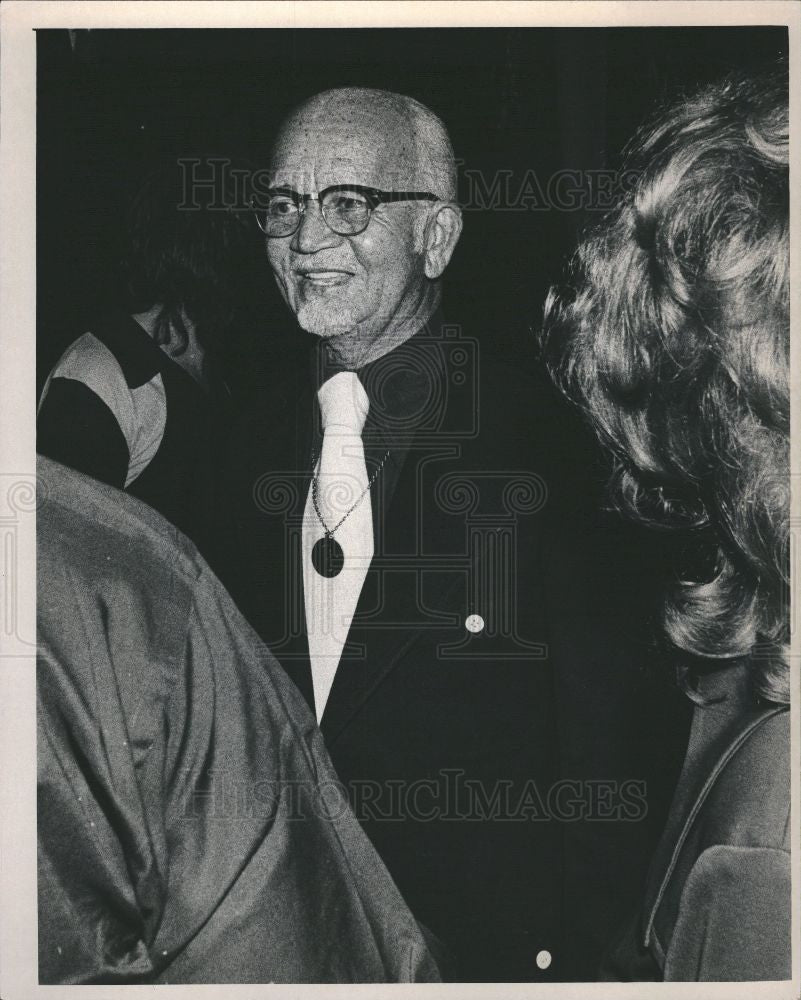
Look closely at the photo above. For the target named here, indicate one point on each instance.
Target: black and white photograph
(411, 497)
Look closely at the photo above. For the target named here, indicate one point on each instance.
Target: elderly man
(408, 542)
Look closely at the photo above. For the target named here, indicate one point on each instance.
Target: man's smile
(324, 277)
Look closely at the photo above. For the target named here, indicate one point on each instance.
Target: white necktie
(342, 492)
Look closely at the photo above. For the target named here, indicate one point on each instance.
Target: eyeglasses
(346, 208)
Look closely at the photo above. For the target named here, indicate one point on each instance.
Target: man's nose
(313, 233)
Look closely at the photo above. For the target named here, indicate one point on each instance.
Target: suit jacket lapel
(411, 539)
(390, 615)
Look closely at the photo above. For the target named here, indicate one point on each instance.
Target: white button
(474, 623)
(543, 959)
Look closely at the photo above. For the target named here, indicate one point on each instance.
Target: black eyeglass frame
(373, 196)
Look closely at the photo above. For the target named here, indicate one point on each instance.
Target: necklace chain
(329, 532)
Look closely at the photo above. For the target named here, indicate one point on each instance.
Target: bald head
(395, 142)
(368, 290)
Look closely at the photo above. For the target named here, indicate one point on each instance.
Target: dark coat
(717, 900)
(189, 825)
(456, 744)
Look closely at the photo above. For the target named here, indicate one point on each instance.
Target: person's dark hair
(187, 259)
(675, 340)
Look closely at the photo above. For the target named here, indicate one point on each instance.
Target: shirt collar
(397, 384)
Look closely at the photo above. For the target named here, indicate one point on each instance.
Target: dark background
(112, 104)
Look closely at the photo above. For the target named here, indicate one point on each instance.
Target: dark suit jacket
(717, 898)
(513, 778)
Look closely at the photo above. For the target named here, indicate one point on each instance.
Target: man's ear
(442, 232)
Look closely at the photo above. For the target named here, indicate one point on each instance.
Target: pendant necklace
(327, 555)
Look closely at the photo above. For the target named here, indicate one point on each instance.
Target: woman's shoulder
(730, 913)
(749, 800)
(726, 848)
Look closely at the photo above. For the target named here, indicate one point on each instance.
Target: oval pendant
(327, 556)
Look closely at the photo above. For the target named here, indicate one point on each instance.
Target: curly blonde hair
(675, 340)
